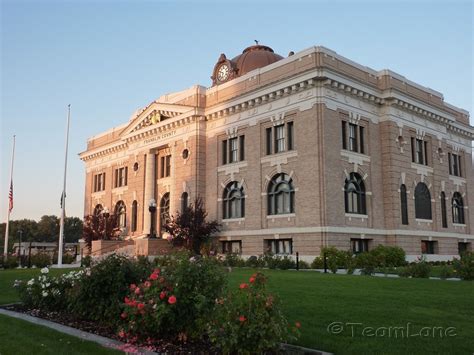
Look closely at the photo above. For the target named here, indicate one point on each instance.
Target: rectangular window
(242, 147)
(280, 246)
(268, 133)
(454, 164)
(99, 182)
(289, 127)
(279, 139)
(361, 139)
(168, 166)
(359, 245)
(231, 247)
(162, 167)
(413, 149)
(425, 146)
(224, 152)
(429, 247)
(353, 137)
(344, 139)
(165, 166)
(419, 151)
(233, 150)
(463, 247)
(121, 177)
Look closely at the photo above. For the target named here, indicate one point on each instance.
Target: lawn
(369, 303)
(20, 337)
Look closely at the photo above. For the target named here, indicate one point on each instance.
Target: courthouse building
(292, 154)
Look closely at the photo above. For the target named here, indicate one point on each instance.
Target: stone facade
(398, 136)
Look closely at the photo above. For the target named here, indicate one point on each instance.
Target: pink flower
(121, 333)
(242, 319)
(140, 306)
(137, 291)
(243, 285)
(153, 276)
(147, 284)
(133, 287)
(298, 325)
(127, 300)
(172, 300)
(162, 295)
(124, 315)
(252, 280)
(156, 271)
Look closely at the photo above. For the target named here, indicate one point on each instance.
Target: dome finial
(256, 42)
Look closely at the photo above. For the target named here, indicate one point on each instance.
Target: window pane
(233, 156)
(353, 137)
(344, 141)
(224, 152)
(242, 147)
(290, 135)
(269, 140)
(361, 139)
(279, 139)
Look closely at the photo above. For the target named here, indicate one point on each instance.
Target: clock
(223, 72)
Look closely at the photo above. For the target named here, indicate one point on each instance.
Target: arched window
(458, 208)
(98, 210)
(233, 201)
(444, 219)
(422, 201)
(164, 211)
(184, 201)
(354, 194)
(403, 203)
(134, 215)
(281, 195)
(121, 213)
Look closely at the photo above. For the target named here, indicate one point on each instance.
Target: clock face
(223, 72)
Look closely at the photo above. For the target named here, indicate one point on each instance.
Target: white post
(63, 195)
(10, 190)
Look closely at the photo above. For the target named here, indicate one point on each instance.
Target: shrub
(445, 272)
(11, 261)
(388, 256)
(318, 263)
(86, 261)
(464, 267)
(41, 260)
(249, 321)
(233, 260)
(303, 265)
(176, 301)
(49, 292)
(420, 269)
(332, 264)
(366, 262)
(285, 263)
(255, 261)
(98, 295)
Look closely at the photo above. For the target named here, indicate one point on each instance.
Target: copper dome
(255, 57)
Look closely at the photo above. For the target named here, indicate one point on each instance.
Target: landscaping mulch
(158, 346)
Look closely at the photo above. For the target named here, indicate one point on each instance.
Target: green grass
(317, 300)
(19, 337)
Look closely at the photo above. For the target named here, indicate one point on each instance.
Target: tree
(100, 227)
(72, 229)
(48, 229)
(190, 229)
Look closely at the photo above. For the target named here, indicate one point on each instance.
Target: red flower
(172, 300)
(243, 285)
(242, 319)
(153, 276)
(147, 284)
(124, 315)
(162, 295)
(156, 271)
(127, 300)
(121, 333)
(137, 291)
(252, 280)
(298, 325)
(133, 287)
(140, 306)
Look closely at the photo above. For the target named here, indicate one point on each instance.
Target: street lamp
(106, 214)
(20, 233)
(152, 209)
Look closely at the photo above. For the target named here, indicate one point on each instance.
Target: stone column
(149, 189)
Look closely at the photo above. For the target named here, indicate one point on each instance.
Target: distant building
(294, 154)
(43, 247)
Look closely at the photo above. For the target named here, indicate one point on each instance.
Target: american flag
(10, 197)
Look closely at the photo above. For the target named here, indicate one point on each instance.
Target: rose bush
(249, 320)
(176, 301)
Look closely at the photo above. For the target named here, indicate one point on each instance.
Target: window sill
(356, 215)
(422, 220)
(280, 157)
(463, 225)
(118, 190)
(231, 220)
(422, 169)
(232, 166)
(277, 216)
(355, 157)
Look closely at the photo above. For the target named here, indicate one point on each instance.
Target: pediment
(154, 113)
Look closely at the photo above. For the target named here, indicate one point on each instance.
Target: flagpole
(63, 195)
(10, 200)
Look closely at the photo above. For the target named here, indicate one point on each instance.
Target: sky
(108, 58)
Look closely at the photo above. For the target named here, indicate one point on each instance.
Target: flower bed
(178, 302)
